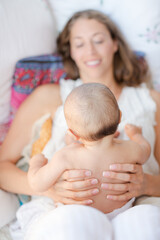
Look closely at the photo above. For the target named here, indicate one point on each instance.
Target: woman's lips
(93, 63)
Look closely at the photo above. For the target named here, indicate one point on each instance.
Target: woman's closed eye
(79, 45)
(98, 41)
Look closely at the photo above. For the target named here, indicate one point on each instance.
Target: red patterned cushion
(32, 72)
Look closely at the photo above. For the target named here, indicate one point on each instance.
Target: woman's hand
(74, 187)
(133, 185)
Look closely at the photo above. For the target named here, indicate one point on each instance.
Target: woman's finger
(125, 177)
(80, 194)
(71, 175)
(71, 201)
(77, 185)
(132, 168)
(123, 188)
(119, 176)
(115, 187)
(124, 197)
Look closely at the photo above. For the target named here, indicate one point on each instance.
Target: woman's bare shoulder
(155, 95)
(46, 98)
(47, 91)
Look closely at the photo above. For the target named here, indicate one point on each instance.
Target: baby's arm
(43, 174)
(143, 147)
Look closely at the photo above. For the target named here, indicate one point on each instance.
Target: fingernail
(112, 167)
(95, 191)
(94, 181)
(87, 173)
(106, 174)
(104, 186)
(109, 197)
(89, 201)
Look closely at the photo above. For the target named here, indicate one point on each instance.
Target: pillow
(26, 29)
(139, 21)
(32, 72)
(63, 9)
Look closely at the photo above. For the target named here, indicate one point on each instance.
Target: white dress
(81, 222)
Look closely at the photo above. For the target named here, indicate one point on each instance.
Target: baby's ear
(73, 135)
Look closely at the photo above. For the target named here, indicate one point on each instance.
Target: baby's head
(92, 112)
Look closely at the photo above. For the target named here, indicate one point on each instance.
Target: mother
(94, 51)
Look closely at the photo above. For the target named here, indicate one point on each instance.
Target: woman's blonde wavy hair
(128, 69)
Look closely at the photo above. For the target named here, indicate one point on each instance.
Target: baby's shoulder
(69, 150)
(126, 148)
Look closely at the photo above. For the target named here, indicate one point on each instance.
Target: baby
(92, 115)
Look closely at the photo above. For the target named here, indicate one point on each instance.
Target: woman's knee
(139, 222)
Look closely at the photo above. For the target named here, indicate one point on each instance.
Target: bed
(29, 29)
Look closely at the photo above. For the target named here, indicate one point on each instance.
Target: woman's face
(92, 49)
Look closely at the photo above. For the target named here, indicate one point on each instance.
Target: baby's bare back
(98, 160)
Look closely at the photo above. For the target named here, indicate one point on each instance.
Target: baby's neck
(103, 142)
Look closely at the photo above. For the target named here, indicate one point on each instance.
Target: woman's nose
(90, 48)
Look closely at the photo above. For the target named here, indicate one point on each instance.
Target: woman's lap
(72, 222)
(81, 222)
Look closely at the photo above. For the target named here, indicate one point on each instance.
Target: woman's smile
(93, 63)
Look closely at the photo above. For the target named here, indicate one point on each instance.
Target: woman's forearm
(13, 179)
(152, 187)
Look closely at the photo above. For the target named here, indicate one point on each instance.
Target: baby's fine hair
(92, 112)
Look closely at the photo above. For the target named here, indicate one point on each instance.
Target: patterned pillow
(32, 72)
(29, 73)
